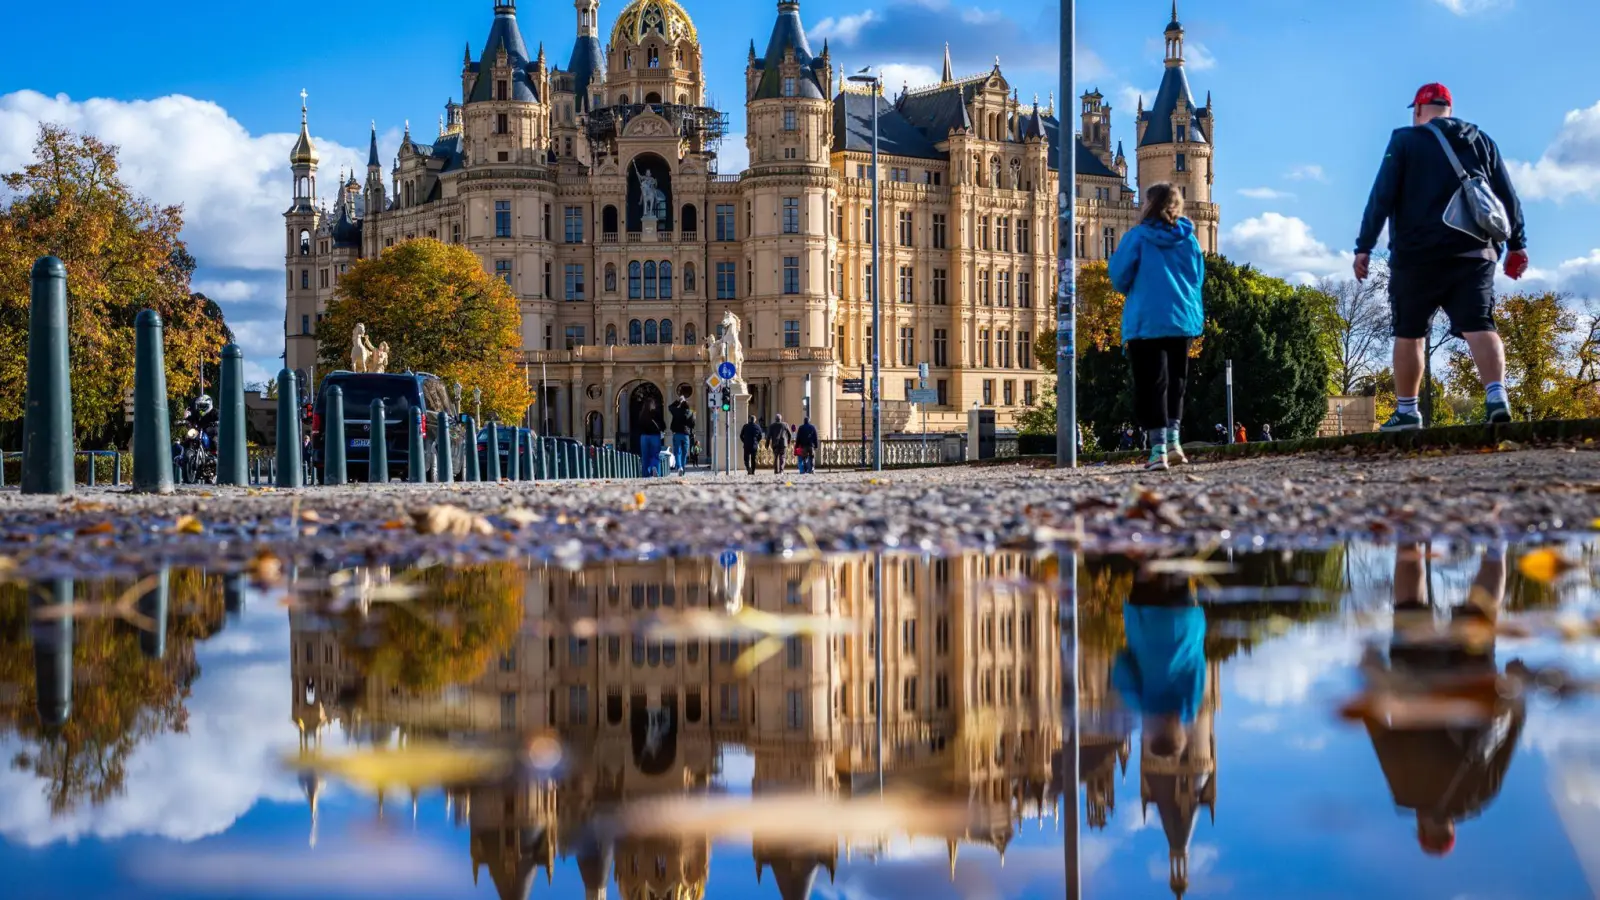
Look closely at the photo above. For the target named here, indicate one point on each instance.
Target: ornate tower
(1177, 137)
(374, 174)
(788, 206)
(300, 247)
(506, 111)
(1096, 118)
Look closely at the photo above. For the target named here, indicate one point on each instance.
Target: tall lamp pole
(864, 77)
(1066, 263)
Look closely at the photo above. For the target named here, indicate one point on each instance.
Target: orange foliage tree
(439, 312)
(122, 254)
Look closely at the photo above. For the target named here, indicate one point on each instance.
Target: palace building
(593, 188)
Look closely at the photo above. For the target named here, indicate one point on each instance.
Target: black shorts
(1462, 287)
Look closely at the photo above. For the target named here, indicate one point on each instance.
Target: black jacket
(778, 435)
(1415, 184)
(682, 417)
(807, 436)
(750, 436)
(650, 422)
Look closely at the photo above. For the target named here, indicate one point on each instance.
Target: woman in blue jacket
(1160, 268)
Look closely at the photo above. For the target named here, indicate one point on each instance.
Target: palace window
(791, 215)
(502, 270)
(906, 280)
(501, 90)
(455, 233)
(725, 281)
(985, 352)
(791, 274)
(791, 332)
(547, 291)
(1005, 351)
(908, 345)
(574, 224)
(635, 332)
(1083, 240)
(502, 125)
(633, 281)
(941, 348)
(650, 280)
(988, 392)
(653, 58)
(1024, 236)
(305, 279)
(866, 225)
(1003, 288)
(938, 231)
(574, 274)
(1008, 393)
(1108, 242)
(574, 336)
(666, 338)
(1180, 163)
(941, 295)
(725, 230)
(983, 232)
(905, 228)
(983, 287)
(789, 123)
(650, 331)
(664, 283)
(1002, 234)
(502, 218)
(788, 87)
(1027, 393)
(1025, 351)
(908, 694)
(1024, 290)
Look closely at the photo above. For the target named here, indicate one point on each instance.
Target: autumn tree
(1099, 330)
(1552, 358)
(439, 312)
(122, 254)
(1359, 329)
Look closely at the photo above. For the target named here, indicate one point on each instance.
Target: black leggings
(1160, 376)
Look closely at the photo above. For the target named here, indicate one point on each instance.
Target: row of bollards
(48, 448)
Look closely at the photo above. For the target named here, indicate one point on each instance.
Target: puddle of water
(1365, 720)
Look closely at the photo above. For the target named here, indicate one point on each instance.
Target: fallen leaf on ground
(266, 568)
(188, 525)
(451, 520)
(1544, 565)
(97, 528)
(1508, 446)
(638, 500)
(521, 518)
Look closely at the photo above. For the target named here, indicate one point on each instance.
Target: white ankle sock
(1407, 405)
(1495, 391)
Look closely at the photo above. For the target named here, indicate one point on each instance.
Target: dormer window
(627, 59)
(502, 123)
(502, 90)
(788, 87)
(653, 58)
(789, 120)
(1182, 163)
(1183, 134)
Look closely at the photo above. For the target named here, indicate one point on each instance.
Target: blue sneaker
(1402, 422)
(1497, 412)
(1158, 459)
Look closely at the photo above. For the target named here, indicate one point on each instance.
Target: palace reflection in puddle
(690, 728)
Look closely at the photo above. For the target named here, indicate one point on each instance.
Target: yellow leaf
(1508, 446)
(452, 520)
(638, 500)
(1544, 565)
(188, 525)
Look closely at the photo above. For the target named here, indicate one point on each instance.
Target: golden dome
(304, 152)
(644, 17)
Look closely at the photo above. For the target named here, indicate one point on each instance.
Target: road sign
(855, 386)
(726, 370)
(127, 405)
(922, 396)
(713, 382)
(728, 559)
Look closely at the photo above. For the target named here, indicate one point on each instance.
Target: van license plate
(360, 442)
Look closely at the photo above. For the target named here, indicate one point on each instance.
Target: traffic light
(727, 399)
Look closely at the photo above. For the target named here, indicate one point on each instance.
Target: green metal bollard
(491, 453)
(377, 444)
(52, 653)
(153, 605)
(116, 469)
(469, 466)
(152, 429)
(533, 467)
(47, 418)
(559, 455)
(289, 474)
(89, 475)
(416, 463)
(232, 447)
(335, 470)
(514, 455)
(443, 473)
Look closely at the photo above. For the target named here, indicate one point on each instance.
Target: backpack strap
(1449, 152)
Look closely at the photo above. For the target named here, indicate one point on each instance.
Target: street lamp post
(1067, 265)
(863, 77)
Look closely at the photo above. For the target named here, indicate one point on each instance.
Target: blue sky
(205, 103)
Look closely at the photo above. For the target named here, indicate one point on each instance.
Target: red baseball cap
(1436, 94)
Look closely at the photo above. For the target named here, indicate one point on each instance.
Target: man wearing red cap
(1439, 261)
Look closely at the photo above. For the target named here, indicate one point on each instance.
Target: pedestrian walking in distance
(778, 440)
(1447, 198)
(806, 442)
(682, 429)
(750, 436)
(650, 430)
(1160, 268)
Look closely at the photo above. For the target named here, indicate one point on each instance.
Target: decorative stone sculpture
(361, 350)
(380, 358)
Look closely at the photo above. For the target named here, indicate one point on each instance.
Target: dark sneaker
(1497, 413)
(1158, 460)
(1402, 422)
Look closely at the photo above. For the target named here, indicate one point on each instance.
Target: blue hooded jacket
(1163, 671)
(1160, 268)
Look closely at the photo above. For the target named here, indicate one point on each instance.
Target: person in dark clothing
(750, 436)
(1438, 264)
(650, 430)
(807, 441)
(682, 429)
(1443, 767)
(778, 440)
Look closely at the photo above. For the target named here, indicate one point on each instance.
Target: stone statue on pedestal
(361, 350)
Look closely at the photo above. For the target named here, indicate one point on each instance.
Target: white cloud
(187, 786)
(1284, 246)
(1307, 173)
(1265, 193)
(1198, 56)
(411, 867)
(844, 29)
(233, 185)
(734, 155)
(1579, 277)
(1570, 166)
(898, 75)
(1283, 672)
(1474, 7)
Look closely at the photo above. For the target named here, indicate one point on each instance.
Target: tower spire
(304, 152)
(372, 149)
(948, 77)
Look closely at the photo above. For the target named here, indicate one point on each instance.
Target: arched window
(608, 220)
(650, 280)
(683, 99)
(666, 331)
(633, 281)
(690, 222)
(666, 282)
(624, 97)
(688, 278)
(653, 60)
(650, 331)
(677, 59)
(305, 243)
(611, 277)
(652, 97)
(635, 331)
(611, 335)
(688, 334)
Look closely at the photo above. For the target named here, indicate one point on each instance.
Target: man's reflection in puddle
(1443, 720)
(1165, 676)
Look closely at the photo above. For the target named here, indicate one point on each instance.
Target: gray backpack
(1474, 209)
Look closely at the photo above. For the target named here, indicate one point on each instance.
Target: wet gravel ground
(1280, 501)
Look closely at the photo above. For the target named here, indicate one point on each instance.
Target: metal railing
(899, 451)
(96, 466)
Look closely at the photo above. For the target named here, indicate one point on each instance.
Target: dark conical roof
(788, 34)
(504, 33)
(372, 151)
(587, 66)
(1174, 86)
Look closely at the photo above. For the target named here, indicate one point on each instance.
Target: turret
(303, 163)
(375, 198)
